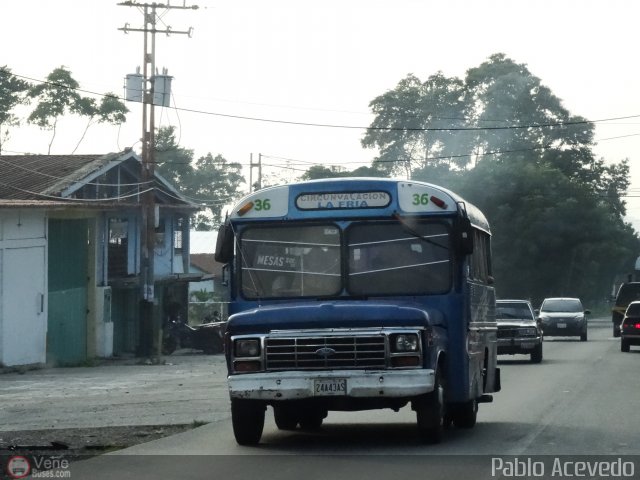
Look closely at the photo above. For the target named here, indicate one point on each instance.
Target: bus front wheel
(430, 413)
(247, 418)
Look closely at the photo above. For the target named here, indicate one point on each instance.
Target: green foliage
(402, 113)
(320, 171)
(556, 211)
(111, 110)
(202, 295)
(13, 92)
(59, 96)
(209, 180)
(218, 180)
(551, 235)
(173, 162)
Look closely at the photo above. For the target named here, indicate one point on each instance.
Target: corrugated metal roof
(33, 177)
(47, 180)
(206, 263)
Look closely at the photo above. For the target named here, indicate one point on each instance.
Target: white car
(518, 331)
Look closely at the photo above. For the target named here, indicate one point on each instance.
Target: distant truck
(627, 293)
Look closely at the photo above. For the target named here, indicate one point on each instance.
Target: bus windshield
(389, 259)
(296, 261)
(383, 259)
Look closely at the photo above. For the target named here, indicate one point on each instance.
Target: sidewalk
(188, 388)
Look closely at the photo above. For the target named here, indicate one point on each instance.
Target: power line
(77, 200)
(55, 177)
(359, 127)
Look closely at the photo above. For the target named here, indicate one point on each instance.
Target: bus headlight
(404, 342)
(247, 347)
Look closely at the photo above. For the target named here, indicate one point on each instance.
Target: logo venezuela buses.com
(18, 467)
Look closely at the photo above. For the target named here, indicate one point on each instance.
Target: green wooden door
(68, 273)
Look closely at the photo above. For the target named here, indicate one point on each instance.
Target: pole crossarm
(167, 5)
(167, 31)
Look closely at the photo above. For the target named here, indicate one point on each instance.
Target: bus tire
(616, 330)
(286, 417)
(247, 418)
(466, 414)
(430, 413)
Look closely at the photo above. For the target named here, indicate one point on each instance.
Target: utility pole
(150, 331)
(258, 185)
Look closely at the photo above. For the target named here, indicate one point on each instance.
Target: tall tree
(13, 92)
(320, 171)
(109, 110)
(551, 235)
(218, 180)
(59, 95)
(522, 118)
(172, 161)
(210, 181)
(557, 211)
(412, 121)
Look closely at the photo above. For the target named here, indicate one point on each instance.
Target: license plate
(527, 346)
(330, 386)
(561, 325)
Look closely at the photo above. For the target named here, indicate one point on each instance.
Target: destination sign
(343, 200)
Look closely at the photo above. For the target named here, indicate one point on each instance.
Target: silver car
(564, 317)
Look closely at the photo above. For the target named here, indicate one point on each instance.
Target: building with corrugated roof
(70, 231)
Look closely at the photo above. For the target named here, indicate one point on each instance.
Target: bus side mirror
(464, 235)
(224, 244)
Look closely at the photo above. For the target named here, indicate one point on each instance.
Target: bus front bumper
(297, 385)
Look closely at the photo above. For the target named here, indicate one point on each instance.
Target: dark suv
(564, 317)
(627, 293)
(518, 331)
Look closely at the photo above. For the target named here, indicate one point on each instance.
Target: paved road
(582, 400)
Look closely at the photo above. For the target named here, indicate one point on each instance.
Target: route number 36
(420, 199)
(262, 204)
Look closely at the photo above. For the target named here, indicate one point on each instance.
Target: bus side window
(480, 258)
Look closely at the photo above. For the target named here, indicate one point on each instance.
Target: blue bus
(354, 294)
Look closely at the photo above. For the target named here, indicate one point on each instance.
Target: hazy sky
(321, 62)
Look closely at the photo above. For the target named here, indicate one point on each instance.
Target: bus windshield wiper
(410, 230)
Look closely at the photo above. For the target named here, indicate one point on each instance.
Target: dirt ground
(74, 413)
(81, 443)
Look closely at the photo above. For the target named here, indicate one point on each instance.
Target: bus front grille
(325, 352)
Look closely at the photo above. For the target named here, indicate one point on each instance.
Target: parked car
(627, 293)
(630, 327)
(518, 330)
(564, 317)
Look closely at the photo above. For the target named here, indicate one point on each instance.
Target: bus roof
(353, 197)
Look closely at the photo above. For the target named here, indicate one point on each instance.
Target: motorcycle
(207, 337)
